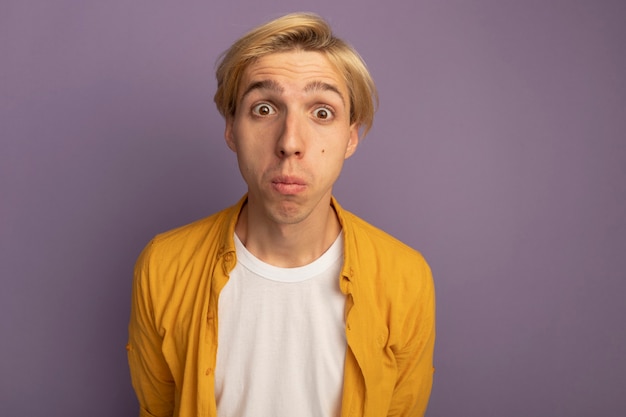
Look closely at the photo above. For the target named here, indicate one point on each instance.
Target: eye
(323, 113)
(263, 109)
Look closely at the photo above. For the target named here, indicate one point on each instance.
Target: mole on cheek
(323, 150)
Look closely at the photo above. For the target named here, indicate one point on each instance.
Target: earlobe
(353, 142)
(228, 134)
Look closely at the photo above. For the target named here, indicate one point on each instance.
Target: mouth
(288, 185)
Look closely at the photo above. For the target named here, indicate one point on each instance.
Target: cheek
(260, 135)
(248, 170)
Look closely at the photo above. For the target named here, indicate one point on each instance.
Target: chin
(287, 214)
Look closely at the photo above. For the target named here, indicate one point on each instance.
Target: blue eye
(263, 109)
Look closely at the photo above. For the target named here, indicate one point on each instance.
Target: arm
(415, 360)
(150, 374)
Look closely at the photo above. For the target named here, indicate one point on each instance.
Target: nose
(291, 137)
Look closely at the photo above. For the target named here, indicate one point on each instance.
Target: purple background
(499, 151)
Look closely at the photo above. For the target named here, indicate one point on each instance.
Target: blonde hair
(298, 31)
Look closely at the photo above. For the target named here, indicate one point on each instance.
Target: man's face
(291, 133)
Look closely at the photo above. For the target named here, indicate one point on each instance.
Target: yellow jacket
(390, 319)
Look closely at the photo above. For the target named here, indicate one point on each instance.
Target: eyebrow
(275, 87)
(322, 86)
(263, 85)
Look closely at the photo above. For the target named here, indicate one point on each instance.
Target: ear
(353, 142)
(228, 134)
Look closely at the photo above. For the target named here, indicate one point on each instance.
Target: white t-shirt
(281, 338)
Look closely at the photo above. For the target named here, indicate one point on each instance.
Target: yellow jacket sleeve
(415, 361)
(150, 374)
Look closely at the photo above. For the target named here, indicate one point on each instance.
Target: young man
(284, 304)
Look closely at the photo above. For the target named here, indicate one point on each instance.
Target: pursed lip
(288, 179)
(287, 184)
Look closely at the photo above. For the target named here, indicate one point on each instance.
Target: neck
(288, 245)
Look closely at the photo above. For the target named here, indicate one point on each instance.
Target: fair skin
(291, 133)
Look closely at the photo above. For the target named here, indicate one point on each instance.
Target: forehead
(293, 69)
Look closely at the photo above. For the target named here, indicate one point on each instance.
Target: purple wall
(499, 151)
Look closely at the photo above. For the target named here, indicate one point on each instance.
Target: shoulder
(391, 279)
(366, 237)
(190, 234)
(188, 243)
(383, 264)
(176, 265)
